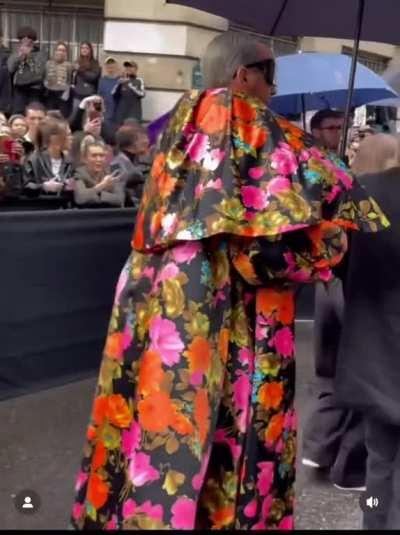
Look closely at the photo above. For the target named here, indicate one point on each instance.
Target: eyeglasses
(267, 67)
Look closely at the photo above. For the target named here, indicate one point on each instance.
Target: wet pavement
(42, 437)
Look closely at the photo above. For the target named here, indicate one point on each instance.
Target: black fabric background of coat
(38, 169)
(368, 369)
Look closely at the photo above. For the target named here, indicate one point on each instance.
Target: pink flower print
(241, 394)
(256, 173)
(186, 253)
(325, 275)
(251, 509)
(289, 228)
(78, 511)
(261, 328)
(112, 524)
(284, 160)
(265, 477)
(140, 470)
(220, 437)
(315, 153)
(213, 159)
(290, 421)
(254, 197)
(127, 336)
(169, 224)
(196, 379)
(198, 192)
(170, 271)
(198, 479)
(279, 446)
(80, 481)
(121, 285)
(249, 216)
(215, 184)
(156, 512)
(184, 513)
(219, 296)
(129, 509)
(294, 274)
(266, 507)
(246, 358)
(304, 156)
(197, 147)
(344, 178)
(278, 185)
(148, 272)
(284, 342)
(131, 440)
(259, 526)
(166, 340)
(336, 190)
(286, 524)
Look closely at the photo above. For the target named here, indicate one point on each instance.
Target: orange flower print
(271, 395)
(202, 414)
(99, 456)
(166, 185)
(181, 424)
(199, 355)
(223, 345)
(119, 413)
(98, 490)
(243, 264)
(114, 346)
(274, 429)
(254, 136)
(158, 165)
(100, 409)
(138, 237)
(211, 117)
(150, 373)
(91, 433)
(223, 517)
(243, 110)
(156, 412)
(279, 302)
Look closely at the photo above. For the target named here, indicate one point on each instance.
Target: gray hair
(376, 154)
(225, 54)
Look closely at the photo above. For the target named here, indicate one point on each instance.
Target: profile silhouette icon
(27, 503)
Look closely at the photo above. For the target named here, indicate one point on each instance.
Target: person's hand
(93, 127)
(87, 102)
(52, 186)
(70, 184)
(108, 182)
(25, 48)
(18, 148)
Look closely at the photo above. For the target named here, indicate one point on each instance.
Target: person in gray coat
(368, 368)
(94, 185)
(27, 67)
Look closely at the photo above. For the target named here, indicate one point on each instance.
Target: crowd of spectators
(70, 133)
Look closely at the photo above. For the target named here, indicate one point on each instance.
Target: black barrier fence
(58, 274)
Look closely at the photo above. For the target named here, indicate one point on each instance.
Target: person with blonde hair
(368, 370)
(193, 424)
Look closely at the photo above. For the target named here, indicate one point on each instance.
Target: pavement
(42, 437)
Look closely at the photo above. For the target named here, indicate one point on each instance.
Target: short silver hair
(225, 54)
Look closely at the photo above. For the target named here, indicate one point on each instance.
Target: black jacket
(38, 169)
(368, 367)
(5, 82)
(86, 81)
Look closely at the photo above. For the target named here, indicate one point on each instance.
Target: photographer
(27, 67)
(128, 95)
(90, 118)
(95, 186)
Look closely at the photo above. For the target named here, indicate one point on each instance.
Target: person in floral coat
(193, 422)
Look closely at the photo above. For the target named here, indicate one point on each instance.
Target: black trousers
(383, 474)
(333, 436)
(55, 102)
(24, 96)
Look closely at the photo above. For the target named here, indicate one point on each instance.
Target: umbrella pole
(356, 48)
(303, 108)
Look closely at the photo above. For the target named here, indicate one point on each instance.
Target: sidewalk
(42, 437)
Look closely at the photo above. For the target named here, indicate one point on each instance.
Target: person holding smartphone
(96, 185)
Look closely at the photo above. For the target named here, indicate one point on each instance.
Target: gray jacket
(29, 71)
(133, 175)
(86, 195)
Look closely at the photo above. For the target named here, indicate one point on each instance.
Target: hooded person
(193, 423)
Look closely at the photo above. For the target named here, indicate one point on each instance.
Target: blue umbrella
(313, 81)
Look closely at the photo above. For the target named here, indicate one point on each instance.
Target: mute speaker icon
(372, 502)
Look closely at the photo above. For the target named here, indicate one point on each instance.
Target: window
(375, 62)
(72, 22)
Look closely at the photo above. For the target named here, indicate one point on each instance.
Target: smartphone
(115, 169)
(7, 146)
(98, 106)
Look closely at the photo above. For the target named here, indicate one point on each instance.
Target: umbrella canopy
(322, 18)
(316, 81)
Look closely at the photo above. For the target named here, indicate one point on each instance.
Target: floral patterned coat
(193, 422)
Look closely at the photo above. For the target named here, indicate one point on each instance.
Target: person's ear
(242, 75)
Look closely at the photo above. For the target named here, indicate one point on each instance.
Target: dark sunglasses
(267, 67)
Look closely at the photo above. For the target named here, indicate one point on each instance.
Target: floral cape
(226, 164)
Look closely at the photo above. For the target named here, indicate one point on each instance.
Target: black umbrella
(371, 20)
